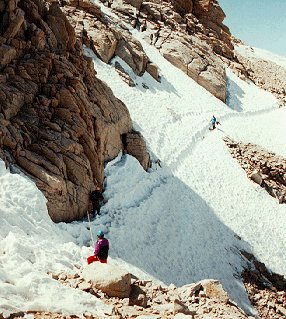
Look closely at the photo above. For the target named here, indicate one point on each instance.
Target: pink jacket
(101, 248)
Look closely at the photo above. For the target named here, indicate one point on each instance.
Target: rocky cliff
(190, 34)
(58, 122)
(262, 167)
(266, 74)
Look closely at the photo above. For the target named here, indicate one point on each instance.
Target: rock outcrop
(266, 289)
(189, 34)
(204, 299)
(112, 280)
(135, 145)
(107, 38)
(266, 169)
(265, 74)
(148, 299)
(58, 122)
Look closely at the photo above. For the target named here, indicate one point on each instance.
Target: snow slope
(32, 245)
(180, 222)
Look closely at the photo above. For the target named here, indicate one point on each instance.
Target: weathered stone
(62, 134)
(61, 28)
(7, 54)
(136, 146)
(152, 69)
(137, 297)
(180, 307)
(124, 75)
(213, 289)
(208, 72)
(15, 25)
(187, 291)
(112, 280)
(264, 73)
(256, 177)
(85, 286)
(264, 168)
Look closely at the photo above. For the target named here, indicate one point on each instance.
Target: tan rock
(85, 286)
(256, 177)
(214, 289)
(136, 146)
(137, 297)
(7, 54)
(181, 308)
(187, 291)
(152, 69)
(112, 280)
(265, 74)
(208, 71)
(61, 28)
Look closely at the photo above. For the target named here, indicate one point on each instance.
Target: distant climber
(214, 122)
(143, 26)
(109, 3)
(155, 34)
(97, 199)
(101, 248)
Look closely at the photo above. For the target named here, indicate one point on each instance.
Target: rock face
(136, 146)
(266, 74)
(264, 168)
(105, 37)
(189, 34)
(266, 289)
(58, 122)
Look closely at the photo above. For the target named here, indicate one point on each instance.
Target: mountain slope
(185, 219)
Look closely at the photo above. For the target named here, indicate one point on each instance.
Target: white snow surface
(180, 222)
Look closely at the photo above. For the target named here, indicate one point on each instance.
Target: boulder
(183, 316)
(213, 289)
(206, 69)
(180, 307)
(136, 146)
(137, 297)
(112, 280)
(256, 177)
(124, 74)
(7, 54)
(61, 28)
(264, 168)
(152, 69)
(183, 7)
(14, 25)
(187, 291)
(264, 73)
(135, 3)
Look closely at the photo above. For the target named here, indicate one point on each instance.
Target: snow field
(206, 199)
(31, 245)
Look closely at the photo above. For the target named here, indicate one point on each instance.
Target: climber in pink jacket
(101, 248)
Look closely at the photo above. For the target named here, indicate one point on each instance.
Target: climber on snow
(101, 247)
(214, 122)
(97, 199)
(100, 250)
